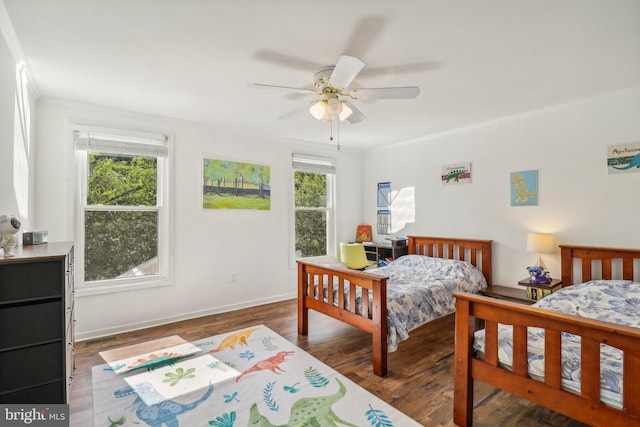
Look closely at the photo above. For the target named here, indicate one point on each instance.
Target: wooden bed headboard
(599, 260)
(475, 252)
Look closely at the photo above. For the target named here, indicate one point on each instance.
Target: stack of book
(537, 291)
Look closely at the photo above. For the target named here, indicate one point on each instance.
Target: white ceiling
(474, 61)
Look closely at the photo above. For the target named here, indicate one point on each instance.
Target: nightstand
(537, 291)
(507, 293)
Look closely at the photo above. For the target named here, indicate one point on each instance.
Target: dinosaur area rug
(249, 377)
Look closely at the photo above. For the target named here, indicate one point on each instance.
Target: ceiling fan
(331, 87)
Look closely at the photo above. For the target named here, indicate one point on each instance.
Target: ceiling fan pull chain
(337, 130)
(331, 130)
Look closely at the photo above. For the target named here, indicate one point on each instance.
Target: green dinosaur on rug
(307, 412)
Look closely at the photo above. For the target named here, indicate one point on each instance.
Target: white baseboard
(99, 333)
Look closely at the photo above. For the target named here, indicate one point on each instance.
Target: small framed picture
(524, 188)
(459, 173)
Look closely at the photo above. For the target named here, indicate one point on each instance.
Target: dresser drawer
(45, 393)
(28, 324)
(20, 281)
(31, 366)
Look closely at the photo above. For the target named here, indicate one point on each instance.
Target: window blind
(313, 164)
(127, 142)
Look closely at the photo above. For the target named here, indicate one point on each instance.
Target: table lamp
(540, 244)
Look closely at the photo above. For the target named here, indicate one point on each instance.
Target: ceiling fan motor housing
(322, 76)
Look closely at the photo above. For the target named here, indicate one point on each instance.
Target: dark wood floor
(419, 383)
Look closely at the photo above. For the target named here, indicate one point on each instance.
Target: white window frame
(321, 165)
(119, 141)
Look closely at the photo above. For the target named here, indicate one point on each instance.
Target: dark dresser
(37, 324)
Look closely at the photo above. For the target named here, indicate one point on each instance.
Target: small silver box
(35, 237)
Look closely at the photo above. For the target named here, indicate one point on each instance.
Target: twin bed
(391, 301)
(577, 351)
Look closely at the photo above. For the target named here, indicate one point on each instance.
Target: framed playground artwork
(235, 185)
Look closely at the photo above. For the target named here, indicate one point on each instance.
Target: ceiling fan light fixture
(346, 111)
(318, 109)
(334, 106)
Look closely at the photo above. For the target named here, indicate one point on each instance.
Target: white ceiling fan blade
(285, 60)
(281, 88)
(407, 92)
(295, 111)
(345, 71)
(356, 115)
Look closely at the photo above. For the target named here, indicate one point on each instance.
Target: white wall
(579, 202)
(209, 245)
(16, 157)
(8, 203)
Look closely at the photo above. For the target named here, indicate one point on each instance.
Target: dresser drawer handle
(71, 379)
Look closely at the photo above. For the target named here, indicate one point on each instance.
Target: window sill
(129, 285)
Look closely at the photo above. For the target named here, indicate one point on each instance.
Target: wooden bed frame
(586, 406)
(476, 252)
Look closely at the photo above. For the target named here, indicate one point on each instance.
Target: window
(122, 209)
(314, 216)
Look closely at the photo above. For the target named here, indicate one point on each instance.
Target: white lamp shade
(346, 111)
(318, 109)
(334, 106)
(540, 243)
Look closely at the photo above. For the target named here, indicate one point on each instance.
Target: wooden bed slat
(590, 370)
(491, 343)
(365, 304)
(520, 354)
(552, 358)
(352, 298)
(586, 270)
(627, 268)
(606, 269)
(341, 293)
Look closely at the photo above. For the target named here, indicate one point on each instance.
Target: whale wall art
(623, 158)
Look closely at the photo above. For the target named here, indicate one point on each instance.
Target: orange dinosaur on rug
(239, 338)
(272, 364)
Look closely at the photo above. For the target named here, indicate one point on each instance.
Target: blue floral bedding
(420, 289)
(616, 301)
